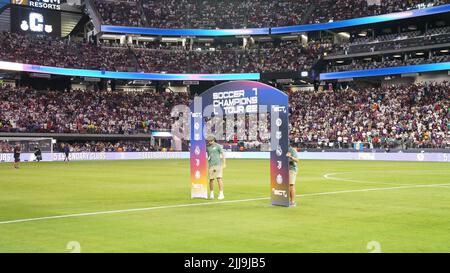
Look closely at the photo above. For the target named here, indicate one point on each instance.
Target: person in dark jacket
(38, 154)
(66, 152)
(16, 156)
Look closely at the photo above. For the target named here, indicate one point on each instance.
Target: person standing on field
(16, 156)
(293, 169)
(216, 164)
(66, 152)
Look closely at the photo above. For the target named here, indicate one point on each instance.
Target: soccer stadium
(225, 126)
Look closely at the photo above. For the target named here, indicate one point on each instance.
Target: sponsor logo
(36, 23)
(279, 192)
(196, 115)
(6, 157)
(152, 155)
(80, 156)
(197, 162)
(44, 4)
(276, 108)
(197, 186)
(197, 126)
(197, 175)
(366, 156)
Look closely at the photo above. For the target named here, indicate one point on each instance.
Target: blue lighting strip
(278, 30)
(126, 75)
(363, 20)
(4, 3)
(184, 32)
(385, 71)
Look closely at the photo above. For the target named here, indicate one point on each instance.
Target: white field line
(210, 203)
(329, 176)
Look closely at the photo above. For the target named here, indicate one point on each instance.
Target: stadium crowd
(393, 41)
(286, 55)
(414, 115)
(372, 64)
(256, 57)
(119, 12)
(224, 14)
(85, 112)
(52, 51)
(336, 10)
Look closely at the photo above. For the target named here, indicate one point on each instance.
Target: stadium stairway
(142, 13)
(69, 21)
(308, 12)
(133, 60)
(79, 27)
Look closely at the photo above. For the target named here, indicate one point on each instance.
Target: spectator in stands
(414, 116)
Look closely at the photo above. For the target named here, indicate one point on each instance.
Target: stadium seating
(76, 111)
(393, 41)
(51, 51)
(415, 115)
(284, 56)
(363, 64)
(212, 14)
(258, 57)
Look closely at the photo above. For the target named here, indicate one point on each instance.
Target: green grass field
(403, 207)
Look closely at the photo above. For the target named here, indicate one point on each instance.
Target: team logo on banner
(279, 151)
(279, 122)
(278, 135)
(279, 179)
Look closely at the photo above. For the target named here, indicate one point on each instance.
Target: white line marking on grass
(210, 203)
(329, 177)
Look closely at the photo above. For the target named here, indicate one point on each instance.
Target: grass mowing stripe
(215, 203)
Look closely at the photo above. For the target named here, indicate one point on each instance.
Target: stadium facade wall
(415, 157)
